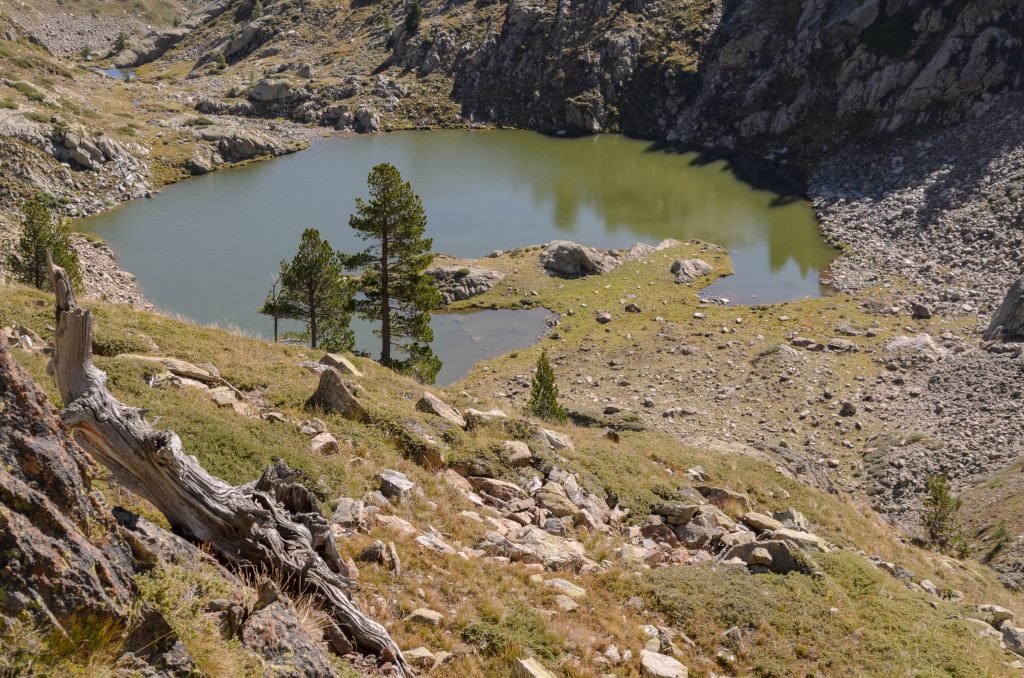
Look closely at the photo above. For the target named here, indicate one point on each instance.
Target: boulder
(657, 665)
(425, 616)
(552, 498)
(557, 441)
(802, 539)
(921, 348)
(431, 404)
(457, 283)
(1008, 322)
(995, 614)
(760, 521)
(349, 513)
(528, 667)
(532, 545)
(517, 453)
(1013, 637)
(367, 120)
(420, 657)
(275, 90)
(572, 260)
(235, 144)
(395, 484)
(724, 498)
(499, 489)
(341, 363)
(335, 395)
(784, 556)
(688, 270)
(567, 588)
(676, 513)
(478, 418)
(324, 444)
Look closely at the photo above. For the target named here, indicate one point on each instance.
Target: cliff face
(751, 74)
(820, 71)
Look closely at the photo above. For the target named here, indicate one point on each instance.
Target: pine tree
(413, 18)
(315, 291)
(42, 232)
(396, 290)
(942, 530)
(544, 393)
(257, 9)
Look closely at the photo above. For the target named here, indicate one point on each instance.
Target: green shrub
(201, 121)
(413, 18)
(29, 92)
(544, 393)
(942, 529)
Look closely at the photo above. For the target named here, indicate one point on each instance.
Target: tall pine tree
(315, 291)
(396, 290)
(42, 232)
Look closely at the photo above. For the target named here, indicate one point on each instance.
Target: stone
(802, 539)
(760, 521)
(657, 665)
(367, 120)
(724, 498)
(334, 395)
(793, 519)
(565, 603)
(434, 542)
(426, 616)
(688, 270)
(922, 348)
(479, 418)
(632, 308)
(528, 667)
(572, 260)
(499, 489)
(919, 311)
(1008, 322)
(784, 558)
(552, 498)
(517, 453)
(349, 513)
(458, 283)
(431, 404)
(677, 513)
(566, 587)
(760, 556)
(604, 317)
(395, 485)
(324, 444)
(1013, 637)
(530, 544)
(341, 363)
(557, 441)
(419, 657)
(996, 614)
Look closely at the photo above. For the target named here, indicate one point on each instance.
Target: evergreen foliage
(257, 9)
(315, 291)
(42, 232)
(396, 290)
(942, 530)
(413, 18)
(543, 401)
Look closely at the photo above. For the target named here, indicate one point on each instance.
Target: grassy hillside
(850, 619)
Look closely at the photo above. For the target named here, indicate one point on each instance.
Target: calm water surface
(207, 247)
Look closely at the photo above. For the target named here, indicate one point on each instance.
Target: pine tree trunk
(385, 300)
(270, 525)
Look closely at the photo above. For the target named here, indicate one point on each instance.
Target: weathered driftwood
(271, 525)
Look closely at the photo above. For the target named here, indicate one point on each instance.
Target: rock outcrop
(457, 283)
(66, 565)
(572, 260)
(1008, 322)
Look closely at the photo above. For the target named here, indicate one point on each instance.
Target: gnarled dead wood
(271, 524)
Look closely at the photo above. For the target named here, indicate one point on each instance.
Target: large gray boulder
(457, 283)
(276, 90)
(687, 270)
(235, 144)
(1008, 322)
(337, 395)
(572, 260)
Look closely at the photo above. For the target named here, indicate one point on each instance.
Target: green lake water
(207, 247)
